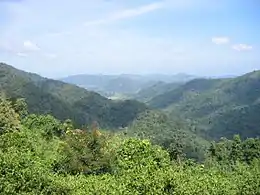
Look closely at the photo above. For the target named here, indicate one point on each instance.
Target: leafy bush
(9, 119)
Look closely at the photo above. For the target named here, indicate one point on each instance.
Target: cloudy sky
(56, 38)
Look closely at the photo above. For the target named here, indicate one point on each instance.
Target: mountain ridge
(219, 107)
(127, 84)
(64, 100)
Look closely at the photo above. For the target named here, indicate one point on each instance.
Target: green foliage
(140, 154)
(42, 155)
(82, 152)
(232, 151)
(172, 134)
(49, 125)
(20, 107)
(25, 164)
(32, 164)
(9, 119)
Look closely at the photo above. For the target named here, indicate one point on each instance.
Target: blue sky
(202, 37)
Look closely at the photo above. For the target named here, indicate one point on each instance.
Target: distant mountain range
(109, 85)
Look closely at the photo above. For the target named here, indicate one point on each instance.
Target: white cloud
(220, 40)
(18, 47)
(30, 46)
(127, 13)
(242, 47)
(106, 43)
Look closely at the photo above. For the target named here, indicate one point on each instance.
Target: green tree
(236, 149)
(51, 126)
(9, 119)
(20, 107)
(139, 154)
(84, 153)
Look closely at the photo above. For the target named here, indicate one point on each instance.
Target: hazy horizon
(197, 37)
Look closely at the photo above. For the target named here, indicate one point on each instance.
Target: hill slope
(170, 133)
(146, 94)
(219, 107)
(65, 100)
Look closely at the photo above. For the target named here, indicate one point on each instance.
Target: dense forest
(62, 100)
(198, 137)
(217, 107)
(42, 155)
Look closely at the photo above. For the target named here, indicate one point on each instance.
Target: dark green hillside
(188, 90)
(219, 107)
(15, 83)
(171, 133)
(158, 88)
(65, 100)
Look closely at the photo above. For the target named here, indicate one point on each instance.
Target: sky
(57, 38)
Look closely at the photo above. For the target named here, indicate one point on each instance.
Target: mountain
(158, 88)
(107, 85)
(65, 101)
(127, 84)
(218, 107)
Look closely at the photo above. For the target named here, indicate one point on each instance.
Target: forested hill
(146, 94)
(219, 107)
(66, 100)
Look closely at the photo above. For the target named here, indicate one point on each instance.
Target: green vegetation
(48, 145)
(217, 107)
(146, 94)
(42, 155)
(174, 135)
(63, 101)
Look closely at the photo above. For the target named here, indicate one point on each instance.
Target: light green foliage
(9, 119)
(141, 154)
(26, 164)
(38, 159)
(20, 107)
(49, 125)
(84, 153)
(232, 151)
